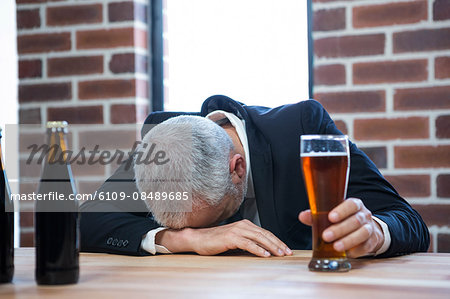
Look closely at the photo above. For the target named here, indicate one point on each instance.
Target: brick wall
(85, 62)
(382, 69)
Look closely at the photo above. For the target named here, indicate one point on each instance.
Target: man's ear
(238, 168)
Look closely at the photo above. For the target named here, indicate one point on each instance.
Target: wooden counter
(238, 275)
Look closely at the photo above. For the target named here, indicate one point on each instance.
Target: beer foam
(323, 154)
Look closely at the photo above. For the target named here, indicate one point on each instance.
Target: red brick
(30, 169)
(341, 125)
(329, 19)
(348, 46)
(127, 11)
(442, 67)
(443, 126)
(353, 101)
(30, 68)
(441, 10)
(43, 43)
(106, 89)
(77, 115)
(119, 37)
(333, 74)
(389, 14)
(128, 113)
(45, 92)
(26, 219)
(422, 156)
(128, 63)
(28, 188)
(437, 97)
(142, 87)
(443, 185)
(390, 71)
(378, 155)
(443, 241)
(411, 185)
(27, 239)
(30, 116)
(391, 129)
(140, 38)
(68, 66)
(76, 14)
(434, 214)
(422, 40)
(30, 1)
(109, 139)
(28, 18)
(123, 114)
(28, 138)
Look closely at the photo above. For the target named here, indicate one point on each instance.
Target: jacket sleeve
(115, 226)
(408, 231)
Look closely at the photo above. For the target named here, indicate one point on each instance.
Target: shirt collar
(239, 125)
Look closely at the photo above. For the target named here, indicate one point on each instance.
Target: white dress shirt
(248, 208)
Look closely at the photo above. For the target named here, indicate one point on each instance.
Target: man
(253, 154)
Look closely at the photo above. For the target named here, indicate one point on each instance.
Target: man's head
(203, 161)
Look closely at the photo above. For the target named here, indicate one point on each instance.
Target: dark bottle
(56, 217)
(6, 226)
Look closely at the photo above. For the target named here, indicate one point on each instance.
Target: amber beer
(325, 166)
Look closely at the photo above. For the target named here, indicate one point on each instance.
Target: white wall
(8, 79)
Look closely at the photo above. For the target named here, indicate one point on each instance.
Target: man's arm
(115, 226)
(214, 240)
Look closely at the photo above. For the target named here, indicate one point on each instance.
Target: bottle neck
(56, 141)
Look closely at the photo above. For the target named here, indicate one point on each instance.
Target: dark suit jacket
(273, 137)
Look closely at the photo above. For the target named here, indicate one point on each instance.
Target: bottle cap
(57, 124)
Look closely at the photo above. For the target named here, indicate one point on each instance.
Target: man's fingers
(252, 247)
(261, 235)
(354, 239)
(363, 249)
(349, 207)
(260, 238)
(281, 245)
(305, 217)
(349, 225)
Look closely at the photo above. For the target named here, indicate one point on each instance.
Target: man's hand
(353, 229)
(214, 240)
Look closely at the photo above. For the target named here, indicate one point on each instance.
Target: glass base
(329, 265)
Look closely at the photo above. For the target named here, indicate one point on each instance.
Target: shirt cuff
(387, 236)
(148, 242)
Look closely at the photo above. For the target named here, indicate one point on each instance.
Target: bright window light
(254, 51)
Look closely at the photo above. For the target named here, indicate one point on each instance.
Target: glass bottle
(56, 217)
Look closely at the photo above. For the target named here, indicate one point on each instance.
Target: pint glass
(325, 164)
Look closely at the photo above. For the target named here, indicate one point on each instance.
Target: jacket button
(109, 241)
(125, 243)
(119, 244)
(114, 242)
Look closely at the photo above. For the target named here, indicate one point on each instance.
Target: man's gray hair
(199, 153)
